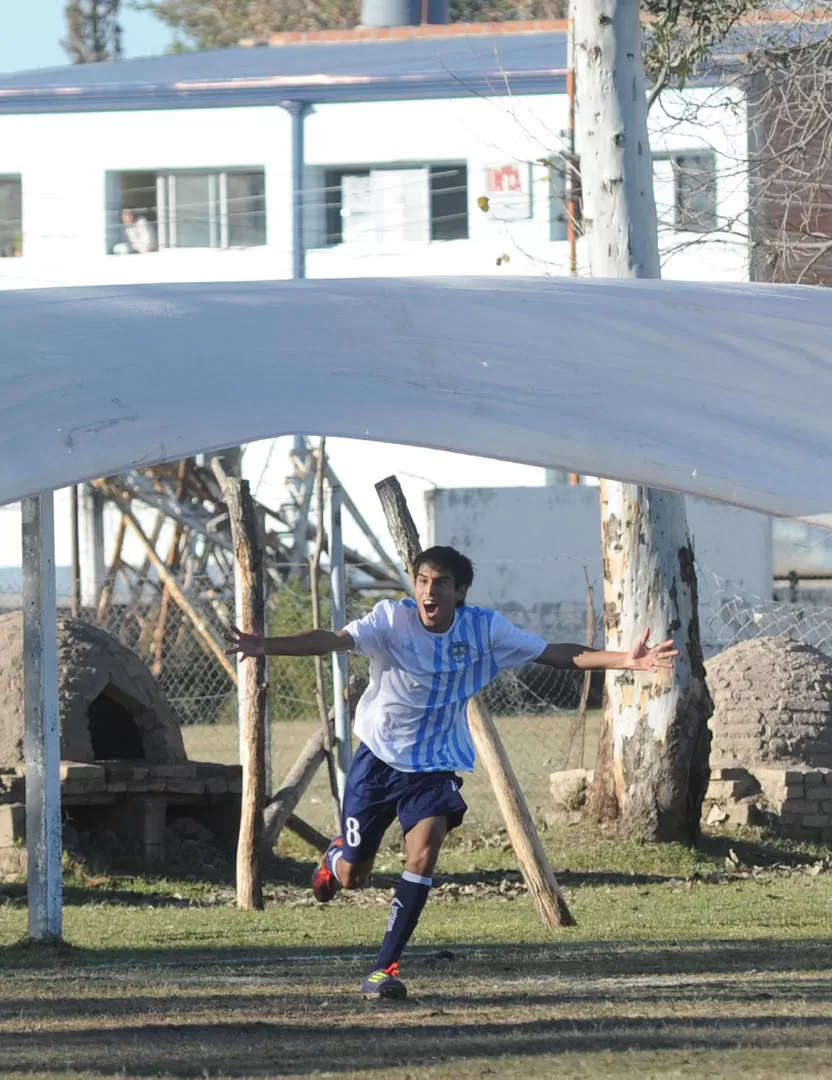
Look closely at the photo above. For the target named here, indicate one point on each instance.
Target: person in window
(428, 656)
(139, 235)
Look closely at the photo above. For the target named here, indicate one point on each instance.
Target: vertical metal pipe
(571, 179)
(76, 552)
(93, 569)
(340, 661)
(297, 110)
(42, 742)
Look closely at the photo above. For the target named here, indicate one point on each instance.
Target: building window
(11, 216)
(386, 204)
(685, 187)
(695, 190)
(186, 209)
(565, 195)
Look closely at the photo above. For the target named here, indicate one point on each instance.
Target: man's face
(437, 598)
(127, 217)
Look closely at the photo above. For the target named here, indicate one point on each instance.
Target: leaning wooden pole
(537, 871)
(287, 797)
(248, 554)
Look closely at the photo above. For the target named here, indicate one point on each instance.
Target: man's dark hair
(459, 566)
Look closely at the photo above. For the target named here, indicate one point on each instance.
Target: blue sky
(33, 30)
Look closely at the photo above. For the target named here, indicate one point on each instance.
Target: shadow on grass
(272, 1046)
(546, 960)
(271, 1011)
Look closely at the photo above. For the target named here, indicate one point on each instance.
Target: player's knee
(353, 875)
(421, 858)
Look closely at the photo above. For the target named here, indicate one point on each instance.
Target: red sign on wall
(504, 178)
(508, 188)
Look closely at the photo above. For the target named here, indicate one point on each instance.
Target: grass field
(715, 961)
(537, 746)
(683, 963)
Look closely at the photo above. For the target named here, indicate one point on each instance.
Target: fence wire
(537, 710)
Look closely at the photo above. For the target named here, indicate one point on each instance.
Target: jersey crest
(460, 651)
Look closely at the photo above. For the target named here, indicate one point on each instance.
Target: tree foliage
(679, 35)
(93, 30)
(213, 24)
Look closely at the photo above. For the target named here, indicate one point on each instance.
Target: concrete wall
(535, 549)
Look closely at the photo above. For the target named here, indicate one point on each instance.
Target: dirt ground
(582, 1009)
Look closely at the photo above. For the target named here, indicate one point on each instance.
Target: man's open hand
(245, 644)
(645, 657)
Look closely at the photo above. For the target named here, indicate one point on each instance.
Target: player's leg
(431, 807)
(367, 813)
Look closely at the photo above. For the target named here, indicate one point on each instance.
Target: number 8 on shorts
(353, 833)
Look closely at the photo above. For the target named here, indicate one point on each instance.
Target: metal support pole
(76, 553)
(340, 661)
(571, 178)
(91, 546)
(264, 626)
(42, 740)
(297, 110)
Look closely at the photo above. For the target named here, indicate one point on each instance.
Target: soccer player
(428, 656)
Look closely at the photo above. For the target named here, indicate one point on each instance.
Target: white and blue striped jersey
(413, 715)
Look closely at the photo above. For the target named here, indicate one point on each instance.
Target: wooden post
(399, 522)
(538, 874)
(248, 556)
(42, 740)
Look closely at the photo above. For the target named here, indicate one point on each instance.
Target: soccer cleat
(324, 883)
(384, 985)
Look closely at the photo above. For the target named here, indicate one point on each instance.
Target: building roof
(361, 64)
(484, 60)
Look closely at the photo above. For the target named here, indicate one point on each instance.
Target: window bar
(224, 210)
(213, 216)
(161, 214)
(172, 211)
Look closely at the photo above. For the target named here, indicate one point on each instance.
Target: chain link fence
(547, 719)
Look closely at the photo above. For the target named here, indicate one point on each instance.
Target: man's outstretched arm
(641, 657)
(306, 643)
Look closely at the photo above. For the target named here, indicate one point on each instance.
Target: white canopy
(723, 391)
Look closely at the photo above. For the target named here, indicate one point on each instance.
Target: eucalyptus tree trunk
(652, 767)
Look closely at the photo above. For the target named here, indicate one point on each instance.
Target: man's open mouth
(430, 607)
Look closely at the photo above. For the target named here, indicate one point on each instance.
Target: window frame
(16, 225)
(167, 219)
(685, 219)
(332, 184)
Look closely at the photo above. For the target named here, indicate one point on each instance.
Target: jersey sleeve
(370, 632)
(512, 647)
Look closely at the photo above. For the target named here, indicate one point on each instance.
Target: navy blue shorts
(376, 794)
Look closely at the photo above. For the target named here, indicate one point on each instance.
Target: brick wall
(796, 799)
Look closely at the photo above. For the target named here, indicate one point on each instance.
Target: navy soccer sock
(410, 898)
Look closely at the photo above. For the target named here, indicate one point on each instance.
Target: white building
(341, 158)
(383, 147)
